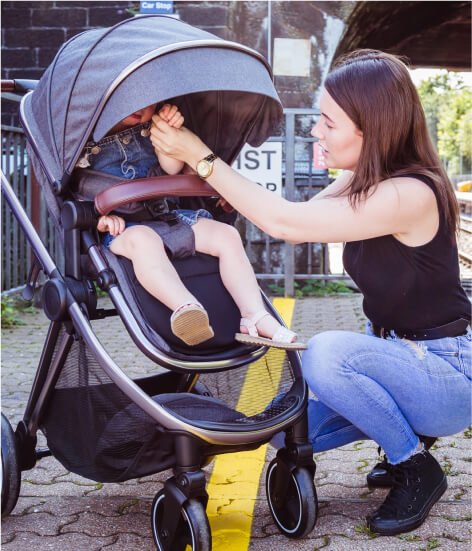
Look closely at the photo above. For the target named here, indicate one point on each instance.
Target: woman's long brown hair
(376, 92)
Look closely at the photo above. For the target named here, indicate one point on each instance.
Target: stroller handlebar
(20, 85)
(144, 189)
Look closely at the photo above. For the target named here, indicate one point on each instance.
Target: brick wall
(32, 32)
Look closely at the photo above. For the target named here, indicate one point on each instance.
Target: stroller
(99, 422)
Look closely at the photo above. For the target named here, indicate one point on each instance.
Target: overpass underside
(429, 34)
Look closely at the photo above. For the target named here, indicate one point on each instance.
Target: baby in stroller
(127, 152)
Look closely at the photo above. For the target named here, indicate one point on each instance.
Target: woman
(396, 210)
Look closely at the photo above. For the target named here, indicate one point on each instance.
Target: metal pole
(290, 196)
(269, 32)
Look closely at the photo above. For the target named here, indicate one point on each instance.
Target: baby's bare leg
(152, 266)
(223, 241)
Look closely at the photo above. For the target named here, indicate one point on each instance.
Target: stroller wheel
(295, 511)
(11, 477)
(192, 532)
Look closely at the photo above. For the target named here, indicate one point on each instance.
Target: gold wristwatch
(205, 166)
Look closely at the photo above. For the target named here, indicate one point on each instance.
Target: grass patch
(11, 310)
(312, 288)
(365, 530)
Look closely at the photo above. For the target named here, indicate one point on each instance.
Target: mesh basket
(95, 430)
(252, 388)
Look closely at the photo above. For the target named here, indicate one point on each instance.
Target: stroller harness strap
(144, 189)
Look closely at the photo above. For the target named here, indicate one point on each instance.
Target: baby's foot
(190, 323)
(262, 328)
(267, 326)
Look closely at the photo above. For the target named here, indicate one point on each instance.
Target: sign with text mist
(262, 165)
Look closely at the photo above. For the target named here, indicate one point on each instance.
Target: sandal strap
(284, 335)
(185, 305)
(250, 323)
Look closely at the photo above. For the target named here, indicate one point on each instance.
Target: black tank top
(409, 287)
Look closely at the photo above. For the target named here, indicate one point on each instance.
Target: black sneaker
(381, 476)
(417, 484)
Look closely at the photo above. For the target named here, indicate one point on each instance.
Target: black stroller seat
(200, 275)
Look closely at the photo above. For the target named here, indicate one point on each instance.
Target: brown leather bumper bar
(453, 329)
(144, 189)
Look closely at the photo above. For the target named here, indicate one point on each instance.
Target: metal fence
(272, 259)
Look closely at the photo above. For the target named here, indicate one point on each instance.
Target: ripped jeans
(388, 390)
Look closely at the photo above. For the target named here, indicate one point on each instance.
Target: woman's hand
(179, 143)
(112, 224)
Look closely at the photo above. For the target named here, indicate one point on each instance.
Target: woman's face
(339, 137)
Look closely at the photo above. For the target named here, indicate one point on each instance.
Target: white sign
(292, 57)
(262, 165)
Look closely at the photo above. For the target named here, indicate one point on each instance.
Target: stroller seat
(200, 275)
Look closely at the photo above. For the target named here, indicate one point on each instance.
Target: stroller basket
(115, 440)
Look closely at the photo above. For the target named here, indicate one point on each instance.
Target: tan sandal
(283, 337)
(190, 323)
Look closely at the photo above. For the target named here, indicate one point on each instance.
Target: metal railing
(272, 259)
(16, 260)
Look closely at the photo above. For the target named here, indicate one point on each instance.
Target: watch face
(203, 168)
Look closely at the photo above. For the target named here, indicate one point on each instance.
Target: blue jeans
(128, 154)
(388, 390)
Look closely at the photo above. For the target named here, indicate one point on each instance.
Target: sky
(418, 75)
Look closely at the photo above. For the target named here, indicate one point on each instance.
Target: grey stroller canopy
(97, 78)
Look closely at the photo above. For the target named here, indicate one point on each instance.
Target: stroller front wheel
(295, 510)
(11, 474)
(193, 530)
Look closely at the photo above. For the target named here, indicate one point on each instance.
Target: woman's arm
(398, 206)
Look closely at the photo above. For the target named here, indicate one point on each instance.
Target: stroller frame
(187, 486)
(70, 303)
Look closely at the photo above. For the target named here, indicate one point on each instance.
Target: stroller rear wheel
(192, 533)
(295, 510)
(11, 475)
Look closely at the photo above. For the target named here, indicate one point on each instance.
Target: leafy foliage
(312, 288)
(9, 313)
(447, 103)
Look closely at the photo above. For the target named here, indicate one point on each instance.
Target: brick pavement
(61, 511)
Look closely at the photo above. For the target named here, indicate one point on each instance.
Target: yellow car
(464, 186)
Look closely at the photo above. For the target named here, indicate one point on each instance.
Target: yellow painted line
(234, 481)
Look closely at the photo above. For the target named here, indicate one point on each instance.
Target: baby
(127, 152)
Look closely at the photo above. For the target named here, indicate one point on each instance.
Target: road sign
(262, 164)
(160, 7)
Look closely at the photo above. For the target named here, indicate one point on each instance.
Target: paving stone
(61, 511)
(62, 542)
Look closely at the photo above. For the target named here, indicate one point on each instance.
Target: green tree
(447, 104)
(432, 92)
(454, 127)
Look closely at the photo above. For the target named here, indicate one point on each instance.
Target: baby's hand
(221, 202)
(172, 115)
(112, 224)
